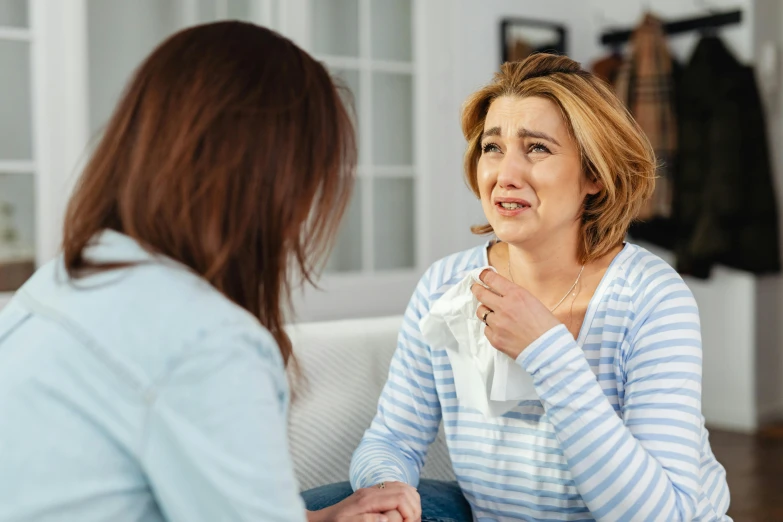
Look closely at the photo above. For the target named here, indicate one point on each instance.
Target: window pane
(214, 10)
(348, 82)
(391, 29)
(17, 230)
(347, 253)
(392, 119)
(15, 115)
(394, 215)
(13, 13)
(207, 11)
(335, 27)
(238, 9)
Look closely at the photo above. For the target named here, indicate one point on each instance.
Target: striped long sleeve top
(617, 433)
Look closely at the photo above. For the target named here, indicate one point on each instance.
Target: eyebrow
(521, 133)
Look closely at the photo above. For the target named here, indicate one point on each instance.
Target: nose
(512, 172)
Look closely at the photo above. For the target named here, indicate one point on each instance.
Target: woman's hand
(413, 495)
(393, 516)
(514, 317)
(396, 502)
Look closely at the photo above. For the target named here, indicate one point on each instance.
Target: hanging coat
(645, 85)
(608, 67)
(725, 206)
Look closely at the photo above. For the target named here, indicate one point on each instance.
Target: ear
(593, 186)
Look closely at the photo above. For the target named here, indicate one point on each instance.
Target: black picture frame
(509, 26)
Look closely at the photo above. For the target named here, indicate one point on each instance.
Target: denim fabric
(440, 501)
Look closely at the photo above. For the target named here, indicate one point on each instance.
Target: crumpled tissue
(485, 378)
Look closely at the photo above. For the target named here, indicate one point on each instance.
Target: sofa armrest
(342, 368)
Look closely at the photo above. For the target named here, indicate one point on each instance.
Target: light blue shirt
(139, 394)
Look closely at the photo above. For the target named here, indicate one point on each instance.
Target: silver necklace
(566, 294)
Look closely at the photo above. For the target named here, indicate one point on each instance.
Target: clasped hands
(395, 502)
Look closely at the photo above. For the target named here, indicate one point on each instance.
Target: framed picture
(520, 37)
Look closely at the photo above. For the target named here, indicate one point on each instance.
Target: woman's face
(529, 174)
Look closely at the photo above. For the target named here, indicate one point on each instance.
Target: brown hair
(613, 147)
(230, 152)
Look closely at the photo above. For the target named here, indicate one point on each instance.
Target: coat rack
(511, 28)
(681, 26)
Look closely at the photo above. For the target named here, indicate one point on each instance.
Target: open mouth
(512, 205)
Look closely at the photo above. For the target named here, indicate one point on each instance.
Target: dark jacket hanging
(725, 203)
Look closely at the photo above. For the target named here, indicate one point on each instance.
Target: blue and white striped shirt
(618, 432)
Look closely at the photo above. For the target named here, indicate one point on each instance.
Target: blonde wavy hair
(614, 150)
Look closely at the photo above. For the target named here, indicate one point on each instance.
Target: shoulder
(443, 274)
(449, 270)
(648, 283)
(198, 314)
(151, 315)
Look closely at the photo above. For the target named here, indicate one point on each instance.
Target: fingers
(376, 500)
(370, 517)
(393, 516)
(409, 505)
(491, 331)
(410, 510)
(397, 484)
(415, 502)
(486, 297)
(483, 312)
(496, 282)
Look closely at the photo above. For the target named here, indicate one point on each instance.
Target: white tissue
(485, 378)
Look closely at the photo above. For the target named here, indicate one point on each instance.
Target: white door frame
(60, 112)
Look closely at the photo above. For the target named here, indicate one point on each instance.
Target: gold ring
(484, 319)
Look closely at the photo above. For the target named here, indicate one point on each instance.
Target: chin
(515, 234)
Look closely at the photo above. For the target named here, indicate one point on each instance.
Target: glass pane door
(367, 44)
(14, 13)
(17, 165)
(17, 229)
(335, 25)
(15, 93)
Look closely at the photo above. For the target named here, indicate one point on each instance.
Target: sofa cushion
(343, 366)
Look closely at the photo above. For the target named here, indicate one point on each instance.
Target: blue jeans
(440, 501)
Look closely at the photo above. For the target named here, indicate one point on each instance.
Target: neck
(546, 272)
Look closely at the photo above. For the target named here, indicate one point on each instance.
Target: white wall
(768, 35)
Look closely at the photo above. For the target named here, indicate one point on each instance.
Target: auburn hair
(231, 152)
(613, 148)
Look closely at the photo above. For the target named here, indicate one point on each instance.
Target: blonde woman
(607, 332)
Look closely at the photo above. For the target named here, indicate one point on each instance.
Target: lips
(511, 206)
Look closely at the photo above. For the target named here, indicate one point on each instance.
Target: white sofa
(343, 366)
